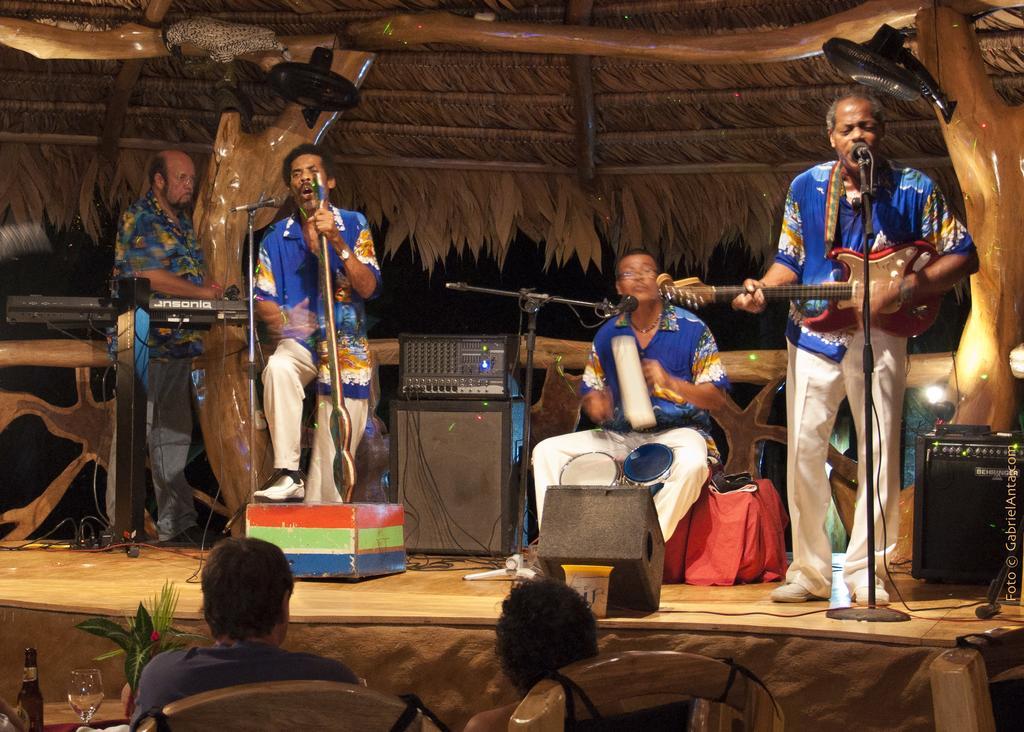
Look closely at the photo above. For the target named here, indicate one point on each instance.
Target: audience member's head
(544, 625)
(247, 584)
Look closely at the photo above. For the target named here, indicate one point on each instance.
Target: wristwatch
(345, 254)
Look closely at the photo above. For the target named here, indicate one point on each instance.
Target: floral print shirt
(288, 274)
(149, 239)
(907, 207)
(684, 347)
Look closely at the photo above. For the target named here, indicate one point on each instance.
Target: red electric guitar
(885, 265)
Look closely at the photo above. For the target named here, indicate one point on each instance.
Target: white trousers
(682, 486)
(815, 387)
(289, 370)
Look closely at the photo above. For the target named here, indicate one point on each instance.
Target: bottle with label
(30, 699)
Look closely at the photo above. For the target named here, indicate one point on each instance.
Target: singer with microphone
(823, 214)
(288, 302)
(653, 374)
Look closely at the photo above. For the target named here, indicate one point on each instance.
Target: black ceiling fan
(314, 86)
(885, 64)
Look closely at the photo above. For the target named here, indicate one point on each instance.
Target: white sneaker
(793, 592)
(284, 489)
(860, 595)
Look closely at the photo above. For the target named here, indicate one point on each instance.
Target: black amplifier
(456, 366)
(965, 508)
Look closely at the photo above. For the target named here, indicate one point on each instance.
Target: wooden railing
(90, 423)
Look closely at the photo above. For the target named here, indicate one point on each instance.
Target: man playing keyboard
(156, 242)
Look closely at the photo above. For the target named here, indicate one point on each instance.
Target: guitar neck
(709, 294)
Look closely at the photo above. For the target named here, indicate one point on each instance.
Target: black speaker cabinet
(454, 466)
(965, 506)
(615, 527)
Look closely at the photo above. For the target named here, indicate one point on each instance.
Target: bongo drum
(590, 468)
(648, 466)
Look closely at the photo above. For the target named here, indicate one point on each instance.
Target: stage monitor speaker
(454, 464)
(616, 527)
(965, 506)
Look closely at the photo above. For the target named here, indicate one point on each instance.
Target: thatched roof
(460, 148)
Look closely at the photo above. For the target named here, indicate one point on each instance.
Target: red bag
(729, 538)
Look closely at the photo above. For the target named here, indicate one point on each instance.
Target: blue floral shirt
(288, 274)
(908, 207)
(684, 347)
(148, 239)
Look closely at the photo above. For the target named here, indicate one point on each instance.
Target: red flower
(154, 636)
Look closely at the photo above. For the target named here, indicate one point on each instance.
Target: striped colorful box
(333, 539)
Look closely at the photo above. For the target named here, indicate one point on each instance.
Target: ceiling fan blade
(313, 87)
(867, 67)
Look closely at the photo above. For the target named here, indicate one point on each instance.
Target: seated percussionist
(681, 373)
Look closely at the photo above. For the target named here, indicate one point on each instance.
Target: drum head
(591, 468)
(647, 464)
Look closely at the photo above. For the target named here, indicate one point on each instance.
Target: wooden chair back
(960, 678)
(619, 683)
(288, 705)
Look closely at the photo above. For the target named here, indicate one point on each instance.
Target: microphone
(861, 154)
(627, 304)
(992, 607)
(320, 190)
(262, 203)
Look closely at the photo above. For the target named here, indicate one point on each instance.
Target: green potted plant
(143, 636)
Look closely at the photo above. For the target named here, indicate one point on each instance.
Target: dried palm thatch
(32, 190)
(456, 148)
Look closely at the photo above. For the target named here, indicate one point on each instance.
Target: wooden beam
(125, 143)
(117, 106)
(127, 41)
(749, 367)
(130, 40)
(55, 353)
(329, 16)
(778, 44)
(746, 366)
(581, 74)
(399, 31)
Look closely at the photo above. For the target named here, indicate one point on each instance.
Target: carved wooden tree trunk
(241, 168)
(985, 141)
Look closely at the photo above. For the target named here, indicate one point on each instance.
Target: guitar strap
(835, 191)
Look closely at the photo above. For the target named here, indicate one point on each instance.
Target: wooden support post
(581, 71)
(242, 168)
(984, 140)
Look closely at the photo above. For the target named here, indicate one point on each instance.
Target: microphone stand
(871, 613)
(250, 282)
(530, 302)
(250, 287)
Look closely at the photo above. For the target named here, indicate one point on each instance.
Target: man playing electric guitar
(822, 215)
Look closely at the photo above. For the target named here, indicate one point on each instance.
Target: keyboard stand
(132, 370)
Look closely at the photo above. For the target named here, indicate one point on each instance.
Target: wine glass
(85, 692)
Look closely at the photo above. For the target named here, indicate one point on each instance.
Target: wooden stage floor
(434, 591)
(396, 630)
